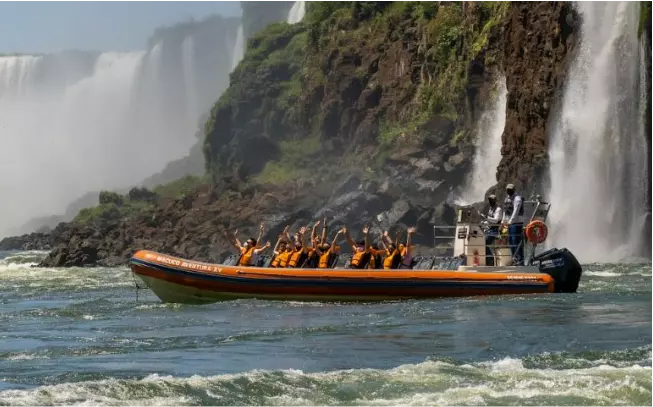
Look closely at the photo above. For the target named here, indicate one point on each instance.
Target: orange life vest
(297, 258)
(324, 260)
(391, 260)
(359, 259)
(283, 258)
(246, 257)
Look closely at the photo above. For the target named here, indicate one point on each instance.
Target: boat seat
(449, 263)
(231, 260)
(422, 263)
(264, 261)
(342, 261)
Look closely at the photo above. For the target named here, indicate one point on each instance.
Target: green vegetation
(180, 187)
(263, 98)
(286, 87)
(113, 206)
(296, 160)
(111, 211)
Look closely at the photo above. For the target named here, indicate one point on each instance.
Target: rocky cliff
(364, 112)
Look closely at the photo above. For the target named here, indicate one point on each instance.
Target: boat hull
(182, 281)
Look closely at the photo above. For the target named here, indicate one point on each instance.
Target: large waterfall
(487, 156)
(598, 153)
(74, 122)
(297, 12)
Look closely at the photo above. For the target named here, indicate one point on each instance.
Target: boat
(177, 280)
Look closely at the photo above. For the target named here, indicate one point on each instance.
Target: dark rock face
(32, 241)
(192, 227)
(537, 42)
(646, 33)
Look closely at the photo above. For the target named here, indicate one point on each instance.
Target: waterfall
(239, 48)
(487, 156)
(598, 151)
(297, 12)
(74, 122)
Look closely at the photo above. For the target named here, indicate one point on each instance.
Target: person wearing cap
(513, 216)
(493, 220)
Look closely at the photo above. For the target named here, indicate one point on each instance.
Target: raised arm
(287, 236)
(276, 246)
(231, 239)
(324, 229)
(385, 238)
(260, 249)
(367, 241)
(410, 233)
(349, 239)
(260, 232)
(240, 245)
(313, 233)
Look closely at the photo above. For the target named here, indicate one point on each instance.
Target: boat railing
(444, 243)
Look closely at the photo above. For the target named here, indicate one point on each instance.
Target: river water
(82, 336)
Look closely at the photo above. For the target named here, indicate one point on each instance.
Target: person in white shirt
(493, 220)
(513, 217)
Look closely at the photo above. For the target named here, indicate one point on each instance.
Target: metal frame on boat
(178, 280)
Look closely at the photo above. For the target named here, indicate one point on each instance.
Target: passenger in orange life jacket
(312, 257)
(300, 251)
(405, 250)
(392, 256)
(376, 257)
(326, 252)
(361, 256)
(248, 251)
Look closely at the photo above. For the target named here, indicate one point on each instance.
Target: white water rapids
(598, 152)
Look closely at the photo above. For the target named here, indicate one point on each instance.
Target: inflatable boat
(178, 280)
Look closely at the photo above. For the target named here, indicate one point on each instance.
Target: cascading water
(74, 122)
(598, 153)
(297, 12)
(239, 48)
(488, 146)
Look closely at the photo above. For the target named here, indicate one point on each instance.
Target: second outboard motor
(562, 266)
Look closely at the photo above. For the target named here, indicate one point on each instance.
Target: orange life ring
(536, 231)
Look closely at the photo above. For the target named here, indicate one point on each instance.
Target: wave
(593, 378)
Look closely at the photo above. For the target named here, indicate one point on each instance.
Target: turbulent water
(81, 336)
(296, 13)
(104, 120)
(489, 130)
(599, 170)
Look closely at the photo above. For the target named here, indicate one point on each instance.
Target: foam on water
(503, 382)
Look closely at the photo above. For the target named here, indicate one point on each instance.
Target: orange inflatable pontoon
(178, 280)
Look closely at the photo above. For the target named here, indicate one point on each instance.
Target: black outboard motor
(562, 266)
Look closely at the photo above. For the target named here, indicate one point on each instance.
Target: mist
(73, 122)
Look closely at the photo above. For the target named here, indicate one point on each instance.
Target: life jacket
(375, 259)
(311, 259)
(297, 258)
(392, 260)
(282, 259)
(246, 257)
(360, 259)
(324, 260)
